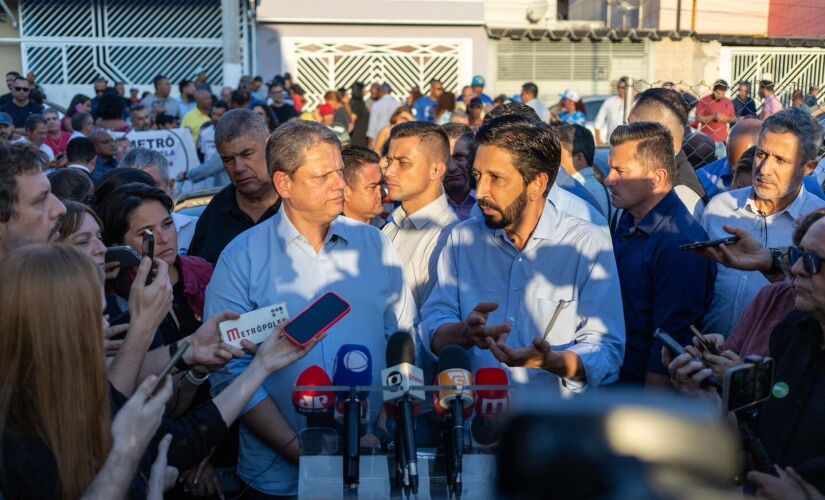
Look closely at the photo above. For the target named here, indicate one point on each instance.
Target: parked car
(194, 203)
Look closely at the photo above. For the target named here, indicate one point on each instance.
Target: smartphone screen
(748, 384)
(149, 251)
(316, 319)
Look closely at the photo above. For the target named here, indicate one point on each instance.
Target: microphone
(317, 407)
(353, 367)
(454, 370)
(491, 404)
(397, 379)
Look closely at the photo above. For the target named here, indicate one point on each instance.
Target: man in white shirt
(36, 134)
(381, 112)
(785, 153)
(577, 152)
(611, 114)
(530, 97)
(155, 164)
(414, 174)
(525, 284)
(304, 251)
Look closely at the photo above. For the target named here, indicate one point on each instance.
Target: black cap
(400, 349)
(476, 102)
(720, 84)
(453, 357)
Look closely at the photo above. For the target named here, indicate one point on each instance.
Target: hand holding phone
(705, 343)
(182, 347)
(149, 251)
(316, 319)
(710, 243)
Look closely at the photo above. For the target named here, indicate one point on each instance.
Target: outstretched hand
(477, 333)
(533, 356)
(277, 352)
(747, 254)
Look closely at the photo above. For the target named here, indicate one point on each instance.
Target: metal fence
(699, 148)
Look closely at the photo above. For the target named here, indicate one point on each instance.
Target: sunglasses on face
(22, 89)
(810, 261)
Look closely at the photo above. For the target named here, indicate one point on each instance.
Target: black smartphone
(316, 319)
(149, 251)
(710, 243)
(747, 384)
(182, 347)
(126, 256)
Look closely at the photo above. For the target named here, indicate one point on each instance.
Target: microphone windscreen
(453, 357)
(353, 367)
(400, 349)
(491, 401)
(310, 401)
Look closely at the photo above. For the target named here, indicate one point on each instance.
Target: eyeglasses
(22, 89)
(810, 261)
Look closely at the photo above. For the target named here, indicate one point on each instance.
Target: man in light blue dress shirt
(785, 154)
(303, 252)
(525, 286)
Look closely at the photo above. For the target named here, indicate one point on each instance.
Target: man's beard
(508, 215)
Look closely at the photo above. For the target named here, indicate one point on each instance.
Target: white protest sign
(175, 144)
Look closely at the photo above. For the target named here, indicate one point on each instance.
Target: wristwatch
(778, 264)
(194, 380)
(181, 365)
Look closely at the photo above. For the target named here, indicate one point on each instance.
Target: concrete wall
(796, 18)
(714, 16)
(271, 60)
(427, 12)
(9, 51)
(686, 60)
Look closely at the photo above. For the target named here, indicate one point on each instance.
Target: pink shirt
(770, 106)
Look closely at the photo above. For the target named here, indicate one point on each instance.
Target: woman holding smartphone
(56, 433)
(127, 213)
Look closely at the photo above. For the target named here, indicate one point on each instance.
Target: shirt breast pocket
(557, 320)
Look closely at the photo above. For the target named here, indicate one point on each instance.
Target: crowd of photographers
(499, 235)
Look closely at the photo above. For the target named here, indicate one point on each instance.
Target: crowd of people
(466, 221)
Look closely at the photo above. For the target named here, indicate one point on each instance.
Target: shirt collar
(424, 216)
(286, 232)
(660, 212)
(80, 167)
(794, 209)
(469, 200)
(545, 228)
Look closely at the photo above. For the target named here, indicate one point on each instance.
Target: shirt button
(511, 319)
(515, 289)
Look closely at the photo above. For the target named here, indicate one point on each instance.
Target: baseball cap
(478, 81)
(720, 84)
(325, 110)
(5, 119)
(386, 87)
(476, 102)
(570, 94)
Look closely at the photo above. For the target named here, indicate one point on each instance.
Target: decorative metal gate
(67, 44)
(791, 69)
(322, 65)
